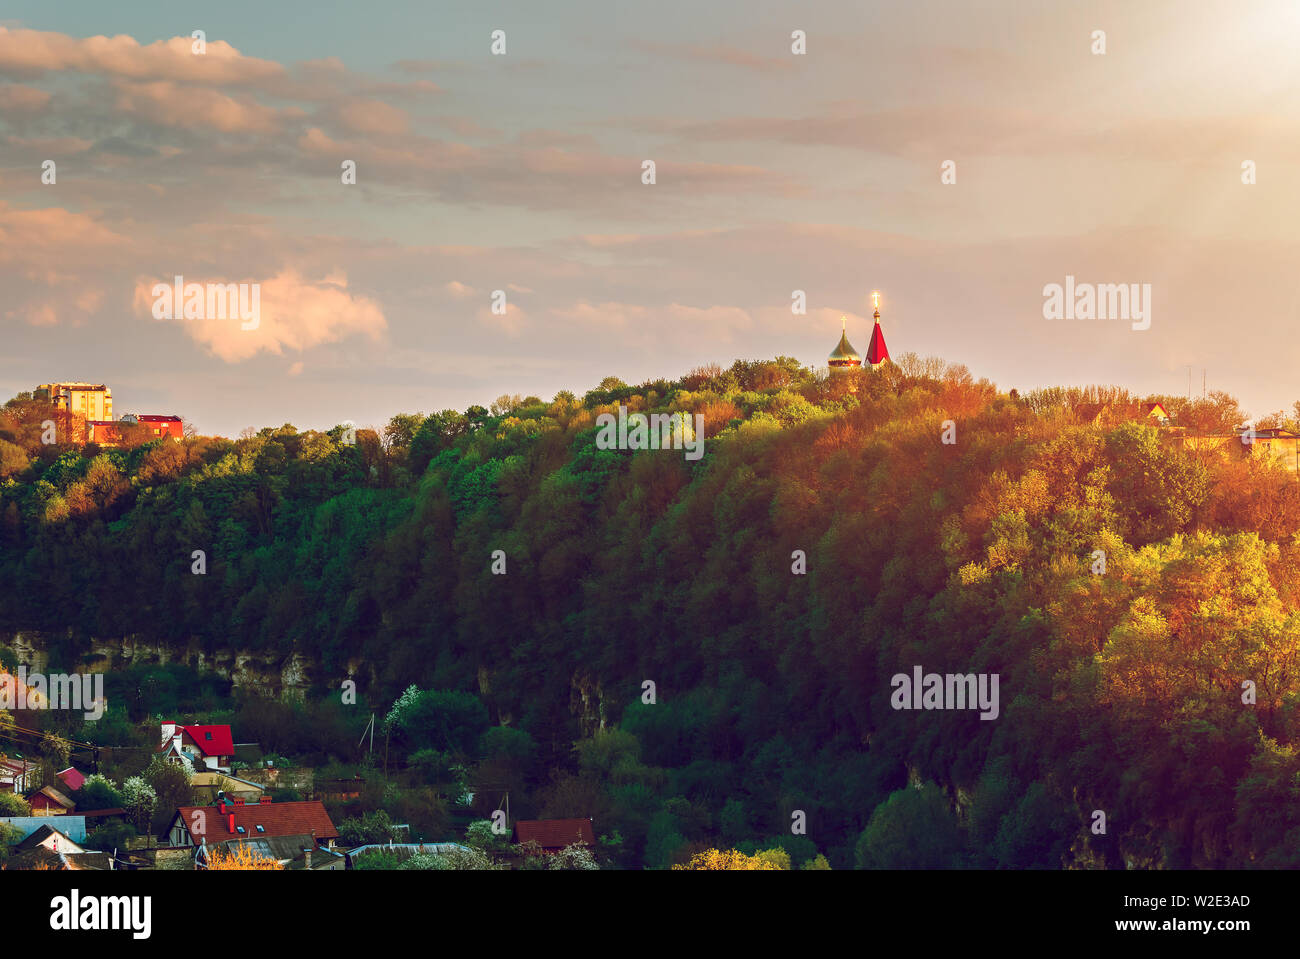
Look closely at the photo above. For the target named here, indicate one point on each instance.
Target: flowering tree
(242, 857)
(574, 856)
(729, 859)
(139, 800)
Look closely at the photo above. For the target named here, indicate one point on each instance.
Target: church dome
(844, 354)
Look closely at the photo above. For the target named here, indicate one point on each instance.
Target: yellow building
(1279, 445)
(88, 400)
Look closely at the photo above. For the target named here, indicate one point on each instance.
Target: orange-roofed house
(234, 820)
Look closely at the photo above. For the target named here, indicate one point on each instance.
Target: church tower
(877, 352)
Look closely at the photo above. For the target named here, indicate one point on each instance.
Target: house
(46, 860)
(90, 400)
(318, 859)
(203, 747)
(48, 848)
(47, 837)
(1156, 412)
(168, 426)
(48, 801)
(110, 432)
(1280, 446)
(208, 786)
(553, 835)
(103, 432)
(340, 790)
(15, 775)
(403, 851)
(72, 779)
(1111, 414)
(235, 820)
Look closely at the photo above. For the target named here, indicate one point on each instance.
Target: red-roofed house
(72, 779)
(553, 835)
(236, 820)
(212, 746)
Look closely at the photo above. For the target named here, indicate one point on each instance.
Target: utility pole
(370, 727)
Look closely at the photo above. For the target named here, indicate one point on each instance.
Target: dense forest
(1121, 678)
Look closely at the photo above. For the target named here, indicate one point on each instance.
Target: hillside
(1121, 688)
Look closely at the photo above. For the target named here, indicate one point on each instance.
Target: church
(844, 357)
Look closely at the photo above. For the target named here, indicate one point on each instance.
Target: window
(240, 830)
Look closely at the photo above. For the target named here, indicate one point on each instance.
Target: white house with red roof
(205, 747)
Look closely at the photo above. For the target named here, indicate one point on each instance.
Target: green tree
(912, 829)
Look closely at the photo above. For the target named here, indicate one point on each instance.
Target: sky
(775, 171)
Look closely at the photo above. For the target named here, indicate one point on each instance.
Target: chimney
(264, 800)
(308, 854)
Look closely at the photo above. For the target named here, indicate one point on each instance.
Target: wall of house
(1282, 450)
(299, 778)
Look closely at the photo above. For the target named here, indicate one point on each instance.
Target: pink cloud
(357, 115)
(35, 52)
(295, 315)
(45, 255)
(16, 99)
(167, 104)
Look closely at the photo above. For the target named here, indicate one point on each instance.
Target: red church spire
(877, 352)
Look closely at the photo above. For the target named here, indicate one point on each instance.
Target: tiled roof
(212, 740)
(276, 819)
(555, 833)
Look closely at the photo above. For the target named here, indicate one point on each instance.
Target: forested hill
(1121, 690)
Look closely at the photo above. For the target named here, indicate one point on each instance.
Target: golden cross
(875, 300)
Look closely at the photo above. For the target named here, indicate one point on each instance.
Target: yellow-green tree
(734, 859)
